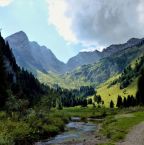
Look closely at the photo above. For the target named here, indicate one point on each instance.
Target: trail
(135, 136)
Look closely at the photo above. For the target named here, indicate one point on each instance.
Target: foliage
(140, 92)
(111, 104)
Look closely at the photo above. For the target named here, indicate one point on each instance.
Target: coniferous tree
(125, 102)
(140, 92)
(90, 101)
(3, 78)
(111, 104)
(119, 102)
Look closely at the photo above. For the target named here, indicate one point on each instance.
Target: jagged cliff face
(46, 58)
(31, 55)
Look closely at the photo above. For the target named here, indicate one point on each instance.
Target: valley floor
(119, 127)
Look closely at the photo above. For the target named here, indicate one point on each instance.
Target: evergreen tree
(140, 92)
(90, 101)
(97, 99)
(125, 102)
(119, 102)
(3, 78)
(84, 103)
(111, 104)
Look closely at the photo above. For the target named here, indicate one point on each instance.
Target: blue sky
(70, 26)
(31, 16)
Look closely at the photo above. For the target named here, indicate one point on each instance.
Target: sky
(70, 26)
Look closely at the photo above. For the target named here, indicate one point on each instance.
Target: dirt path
(135, 136)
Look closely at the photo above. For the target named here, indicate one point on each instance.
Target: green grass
(42, 124)
(111, 93)
(117, 126)
(82, 112)
(65, 81)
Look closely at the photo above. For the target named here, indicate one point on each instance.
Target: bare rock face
(31, 55)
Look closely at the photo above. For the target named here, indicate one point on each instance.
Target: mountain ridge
(32, 56)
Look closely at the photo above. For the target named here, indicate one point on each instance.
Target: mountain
(46, 58)
(32, 56)
(119, 47)
(84, 69)
(106, 67)
(83, 58)
(16, 82)
(97, 73)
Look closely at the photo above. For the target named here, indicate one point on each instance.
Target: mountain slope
(83, 58)
(17, 83)
(119, 47)
(99, 72)
(46, 58)
(32, 56)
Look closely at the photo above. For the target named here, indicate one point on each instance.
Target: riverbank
(115, 123)
(116, 127)
(39, 125)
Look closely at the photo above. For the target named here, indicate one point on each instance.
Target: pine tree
(111, 104)
(125, 102)
(3, 79)
(119, 102)
(140, 92)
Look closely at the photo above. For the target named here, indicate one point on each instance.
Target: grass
(115, 127)
(111, 93)
(82, 112)
(64, 81)
(116, 124)
(41, 125)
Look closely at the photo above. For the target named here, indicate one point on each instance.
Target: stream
(74, 131)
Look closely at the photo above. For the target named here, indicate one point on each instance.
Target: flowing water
(75, 130)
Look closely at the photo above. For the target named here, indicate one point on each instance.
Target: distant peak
(133, 40)
(18, 36)
(20, 33)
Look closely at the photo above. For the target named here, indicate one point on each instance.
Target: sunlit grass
(111, 93)
(116, 128)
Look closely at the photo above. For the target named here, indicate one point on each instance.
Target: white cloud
(97, 22)
(58, 17)
(91, 49)
(5, 2)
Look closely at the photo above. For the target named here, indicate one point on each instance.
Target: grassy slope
(112, 93)
(107, 94)
(93, 74)
(65, 82)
